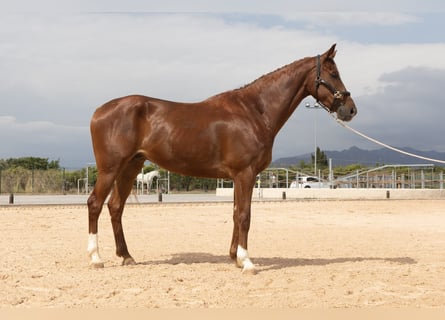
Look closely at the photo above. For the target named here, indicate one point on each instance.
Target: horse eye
(335, 75)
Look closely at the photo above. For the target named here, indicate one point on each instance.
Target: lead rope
(344, 125)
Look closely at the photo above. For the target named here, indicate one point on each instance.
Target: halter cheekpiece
(319, 81)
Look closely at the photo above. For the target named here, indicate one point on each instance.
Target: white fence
(350, 193)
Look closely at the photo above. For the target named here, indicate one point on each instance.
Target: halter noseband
(319, 81)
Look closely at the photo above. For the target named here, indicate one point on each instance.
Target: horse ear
(331, 52)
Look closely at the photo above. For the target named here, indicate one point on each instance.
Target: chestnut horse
(229, 135)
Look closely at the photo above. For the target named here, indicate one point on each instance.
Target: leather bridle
(338, 95)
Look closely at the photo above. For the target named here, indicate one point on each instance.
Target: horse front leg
(243, 198)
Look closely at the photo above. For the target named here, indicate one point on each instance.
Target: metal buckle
(338, 95)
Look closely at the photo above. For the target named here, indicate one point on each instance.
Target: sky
(60, 60)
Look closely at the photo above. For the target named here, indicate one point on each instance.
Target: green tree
(54, 164)
(322, 159)
(30, 163)
(150, 167)
(345, 170)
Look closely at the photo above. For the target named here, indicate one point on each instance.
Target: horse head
(155, 173)
(328, 89)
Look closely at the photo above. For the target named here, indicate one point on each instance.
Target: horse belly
(190, 159)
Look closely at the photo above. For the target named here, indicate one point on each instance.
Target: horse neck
(280, 92)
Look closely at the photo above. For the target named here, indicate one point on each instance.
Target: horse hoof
(250, 270)
(97, 265)
(128, 262)
(247, 266)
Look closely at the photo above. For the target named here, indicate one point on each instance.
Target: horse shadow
(270, 263)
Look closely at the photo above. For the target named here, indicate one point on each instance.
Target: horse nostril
(353, 111)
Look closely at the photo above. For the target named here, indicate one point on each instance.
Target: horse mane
(262, 77)
(265, 77)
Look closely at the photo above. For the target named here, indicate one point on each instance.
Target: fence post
(440, 178)
(63, 181)
(394, 178)
(331, 173)
(357, 181)
(32, 179)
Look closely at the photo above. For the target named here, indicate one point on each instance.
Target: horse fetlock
(93, 252)
(243, 261)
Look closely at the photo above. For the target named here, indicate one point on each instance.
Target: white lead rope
(384, 144)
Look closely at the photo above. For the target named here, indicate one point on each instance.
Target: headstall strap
(318, 80)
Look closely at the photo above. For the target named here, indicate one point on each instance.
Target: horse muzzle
(346, 112)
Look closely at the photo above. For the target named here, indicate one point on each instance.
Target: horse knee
(94, 206)
(115, 209)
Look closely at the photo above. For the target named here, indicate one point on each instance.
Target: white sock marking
(93, 249)
(243, 260)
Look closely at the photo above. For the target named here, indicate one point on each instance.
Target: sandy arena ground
(336, 254)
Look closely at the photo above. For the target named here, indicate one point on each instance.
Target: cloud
(44, 139)
(84, 60)
(351, 18)
(362, 65)
(250, 6)
(406, 111)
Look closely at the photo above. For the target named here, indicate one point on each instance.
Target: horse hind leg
(116, 203)
(95, 203)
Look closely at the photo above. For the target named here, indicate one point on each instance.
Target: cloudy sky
(60, 60)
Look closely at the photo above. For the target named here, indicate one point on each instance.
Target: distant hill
(356, 155)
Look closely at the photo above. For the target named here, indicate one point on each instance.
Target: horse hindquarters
(117, 163)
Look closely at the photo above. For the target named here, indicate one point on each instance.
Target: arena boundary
(225, 195)
(340, 194)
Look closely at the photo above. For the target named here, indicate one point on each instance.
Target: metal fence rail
(395, 177)
(422, 176)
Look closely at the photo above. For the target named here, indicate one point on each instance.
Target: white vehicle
(309, 182)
